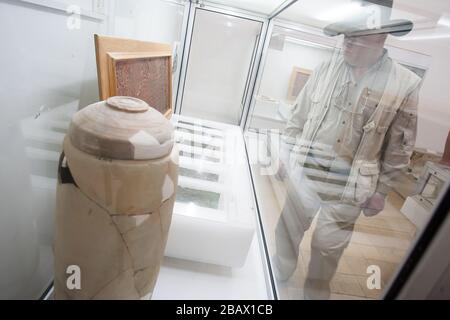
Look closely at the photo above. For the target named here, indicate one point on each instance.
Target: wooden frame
(110, 51)
(299, 77)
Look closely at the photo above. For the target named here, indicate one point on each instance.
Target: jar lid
(122, 128)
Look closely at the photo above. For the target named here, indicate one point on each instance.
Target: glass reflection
(355, 120)
(200, 198)
(348, 128)
(39, 98)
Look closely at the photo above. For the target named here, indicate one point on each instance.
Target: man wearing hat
(351, 133)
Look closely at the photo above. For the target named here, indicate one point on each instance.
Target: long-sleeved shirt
(339, 134)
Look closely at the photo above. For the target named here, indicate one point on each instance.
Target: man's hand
(374, 205)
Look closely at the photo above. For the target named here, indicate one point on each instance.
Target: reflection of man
(351, 132)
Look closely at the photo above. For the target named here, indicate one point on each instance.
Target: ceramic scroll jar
(116, 190)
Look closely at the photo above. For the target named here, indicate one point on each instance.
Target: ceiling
(431, 17)
(310, 10)
(265, 7)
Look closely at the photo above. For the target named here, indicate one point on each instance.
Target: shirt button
(349, 103)
(338, 140)
(343, 122)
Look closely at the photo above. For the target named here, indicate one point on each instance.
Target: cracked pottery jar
(117, 180)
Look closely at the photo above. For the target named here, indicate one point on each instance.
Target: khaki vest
(365, 169)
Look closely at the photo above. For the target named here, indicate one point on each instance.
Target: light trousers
(335, 223)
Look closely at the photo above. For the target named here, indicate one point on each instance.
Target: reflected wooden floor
(382, 240)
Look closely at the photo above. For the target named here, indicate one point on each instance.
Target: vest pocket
(366, 182)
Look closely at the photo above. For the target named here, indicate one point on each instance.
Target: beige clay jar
(116, 190)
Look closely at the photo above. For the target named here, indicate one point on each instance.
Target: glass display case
(315, 249)
(214, 218)
(51, 74)
(297, 176)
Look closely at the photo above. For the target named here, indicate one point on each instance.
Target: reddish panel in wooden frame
(299, 77)
(146, 76)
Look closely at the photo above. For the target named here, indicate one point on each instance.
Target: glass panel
(291, 57)
(48, 73)
(347, 140)
(265, 7)
(220, 57)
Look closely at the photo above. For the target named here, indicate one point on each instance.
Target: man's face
(358, 51)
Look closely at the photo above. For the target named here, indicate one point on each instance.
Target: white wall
(154, 21)
(219, 61)
(47, 72)
(282, 56)
(148, 20)
(434, 102)
(44, 65)
(279, 66)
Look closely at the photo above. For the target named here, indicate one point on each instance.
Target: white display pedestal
(214, 218)
(418, 208)
(415, 212)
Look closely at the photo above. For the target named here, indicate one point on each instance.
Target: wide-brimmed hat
(372, 17)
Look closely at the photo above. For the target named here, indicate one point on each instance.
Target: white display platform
(215, 221)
